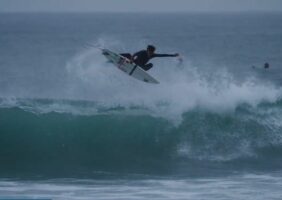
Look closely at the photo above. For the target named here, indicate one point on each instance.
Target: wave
(81, 136)
(111, 122)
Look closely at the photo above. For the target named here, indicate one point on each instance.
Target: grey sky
(138, 5)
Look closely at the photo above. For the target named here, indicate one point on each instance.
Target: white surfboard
(127, 67)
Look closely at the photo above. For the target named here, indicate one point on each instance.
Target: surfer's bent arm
(135, 56)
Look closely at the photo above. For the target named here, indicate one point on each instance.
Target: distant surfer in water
(142, 57)
(266, 65)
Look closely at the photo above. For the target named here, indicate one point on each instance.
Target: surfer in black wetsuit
(142, 57)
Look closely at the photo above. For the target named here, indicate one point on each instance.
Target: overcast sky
(138, 5)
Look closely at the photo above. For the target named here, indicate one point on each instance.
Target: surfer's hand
(177, 54)
(179, 58)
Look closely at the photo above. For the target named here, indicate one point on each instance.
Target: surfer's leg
(147, 67)
(127, 55)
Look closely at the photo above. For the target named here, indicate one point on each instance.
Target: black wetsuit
(141, 58)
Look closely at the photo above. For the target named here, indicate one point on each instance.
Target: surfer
(142, 57)
(266, 65)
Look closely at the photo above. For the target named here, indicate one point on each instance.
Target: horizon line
(141, 12)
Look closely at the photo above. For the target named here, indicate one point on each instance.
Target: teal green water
(120, 140)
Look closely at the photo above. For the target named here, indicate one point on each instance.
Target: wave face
(38, 138)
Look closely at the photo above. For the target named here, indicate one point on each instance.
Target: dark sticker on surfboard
(105, 53)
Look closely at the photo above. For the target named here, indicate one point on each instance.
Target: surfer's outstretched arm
(165, 55)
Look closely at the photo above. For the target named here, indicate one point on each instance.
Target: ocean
(72, 126)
